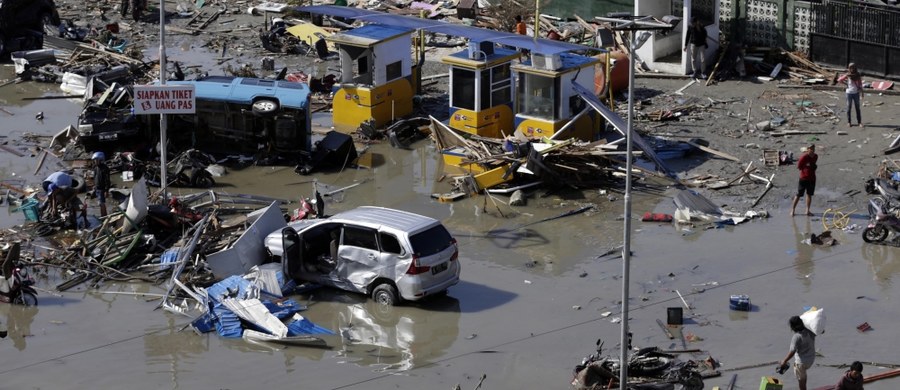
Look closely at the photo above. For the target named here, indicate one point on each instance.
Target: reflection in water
(167, 349)
(803, 263)
(18, 321)
(397, 338)
(883, 262)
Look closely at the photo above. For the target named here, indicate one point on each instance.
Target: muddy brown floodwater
(528, 308)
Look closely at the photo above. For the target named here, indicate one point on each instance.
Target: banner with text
(164, 99)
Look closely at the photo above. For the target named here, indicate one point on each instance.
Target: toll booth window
(463, 89)
(393, 71)
(537, 96)
(356, 64)
(485, 90)
(501, 85)
(576, 104)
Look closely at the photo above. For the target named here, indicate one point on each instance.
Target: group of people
(803, 351)
(62, 195)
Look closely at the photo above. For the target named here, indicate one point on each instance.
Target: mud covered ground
(532, 300)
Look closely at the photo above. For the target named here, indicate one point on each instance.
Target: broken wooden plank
(780, 133)
(40, 162)
(13, 151)
(713, 151)
(681, 90)
(747, 171)
(768, 187)
(665, 329)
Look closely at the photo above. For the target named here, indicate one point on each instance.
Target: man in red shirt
(807, 185)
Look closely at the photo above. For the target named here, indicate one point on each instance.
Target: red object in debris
(864, 327)
(656, 217)
(113, 28)
(882, 85)
(618, 73)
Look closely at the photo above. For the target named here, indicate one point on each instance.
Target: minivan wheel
(385, 294)
(265, 107)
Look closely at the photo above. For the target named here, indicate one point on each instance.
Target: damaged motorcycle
(648, 368)
(16, 284)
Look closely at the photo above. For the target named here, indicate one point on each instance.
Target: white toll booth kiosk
(377, 80)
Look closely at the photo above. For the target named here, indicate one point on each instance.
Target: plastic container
(675, 316)
(32, 209)
(769, 383)
(739, 303)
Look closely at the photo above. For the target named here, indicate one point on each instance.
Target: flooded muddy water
(532, 300)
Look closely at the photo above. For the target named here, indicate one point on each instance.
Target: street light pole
(626, 246)
(162, 117)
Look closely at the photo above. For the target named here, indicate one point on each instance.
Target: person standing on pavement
(807, 183)
(853, 379)
(853, 80)
(803, 350)
(696, 40)
(101, 180)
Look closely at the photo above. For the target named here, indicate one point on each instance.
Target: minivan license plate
(439, 268)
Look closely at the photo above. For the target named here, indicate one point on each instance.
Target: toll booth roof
(570, 62)
(500, 55)
(369, 35)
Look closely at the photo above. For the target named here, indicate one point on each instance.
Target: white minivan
(391, 255)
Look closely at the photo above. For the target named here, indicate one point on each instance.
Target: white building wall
(397, 49)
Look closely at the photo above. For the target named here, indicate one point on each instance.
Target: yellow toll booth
(546, 100)
(481, 90)
(376, 76)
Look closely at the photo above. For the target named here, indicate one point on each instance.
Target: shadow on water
(511, 238)
(45, 300)
(479, 297)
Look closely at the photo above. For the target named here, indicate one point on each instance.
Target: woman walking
(853, 80)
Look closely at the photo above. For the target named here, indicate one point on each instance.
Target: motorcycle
(888, 197)
(881, 223)
(596, 371)
(189, 170)
(16, 284)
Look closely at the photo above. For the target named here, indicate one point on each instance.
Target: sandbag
(814, 320)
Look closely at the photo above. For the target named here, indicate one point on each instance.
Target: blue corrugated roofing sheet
(378, 32)
(543, 46)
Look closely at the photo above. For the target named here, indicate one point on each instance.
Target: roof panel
(543, 46)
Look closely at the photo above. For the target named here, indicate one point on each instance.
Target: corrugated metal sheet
(542, 46)
(622, 126)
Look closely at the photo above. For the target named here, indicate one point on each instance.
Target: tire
(26, 299)
(200, 178)
(875, 234)
(265, 107)
(79, 184)
(649, 366)
(386, 294)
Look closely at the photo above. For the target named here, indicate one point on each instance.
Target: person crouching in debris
(853, 379)
(807, 183)
(65, 199)
(101, 180)
(854, 92)
(803, 350)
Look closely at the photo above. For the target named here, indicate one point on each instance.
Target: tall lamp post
(632, 24)
(163, 169)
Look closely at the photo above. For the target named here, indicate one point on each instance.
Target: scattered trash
(864, 327)
(739, 303)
